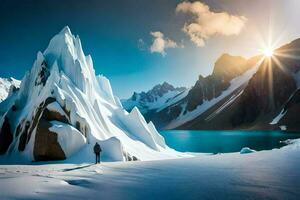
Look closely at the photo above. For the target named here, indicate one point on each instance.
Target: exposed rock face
(6, 136)
(23, 137)
(46, 145)
(271, 90)
(291, 110)
(266, 92)
(226, 68)
(271, 86)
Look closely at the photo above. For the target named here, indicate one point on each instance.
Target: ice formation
(62, 109)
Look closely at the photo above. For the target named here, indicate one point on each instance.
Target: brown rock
(46, 146)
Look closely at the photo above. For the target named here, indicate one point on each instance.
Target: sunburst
(268, 52)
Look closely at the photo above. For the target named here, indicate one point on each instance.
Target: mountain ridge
(264, 99)
(205, 90)
(154, 99)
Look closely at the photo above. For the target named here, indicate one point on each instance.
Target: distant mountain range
(156, 99)
(257, 93)
(207, 91)
(7, 85)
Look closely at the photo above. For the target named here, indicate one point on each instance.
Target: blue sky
(112, 31)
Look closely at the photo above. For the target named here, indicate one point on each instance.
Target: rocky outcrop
(270, 91)
(46, 146)
(266, 92)
(291, 120)
(6, 136)
(226, 68)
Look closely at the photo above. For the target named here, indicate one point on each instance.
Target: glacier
(62, 108)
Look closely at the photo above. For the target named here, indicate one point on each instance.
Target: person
(97, 150)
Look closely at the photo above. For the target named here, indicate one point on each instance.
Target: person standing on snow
(97, 150)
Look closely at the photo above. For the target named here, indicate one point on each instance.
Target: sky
(140, 43)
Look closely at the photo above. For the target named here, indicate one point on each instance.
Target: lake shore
(214, 142)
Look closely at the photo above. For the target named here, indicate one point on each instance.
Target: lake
(225, 141)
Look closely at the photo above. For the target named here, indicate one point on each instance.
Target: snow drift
(62, 109)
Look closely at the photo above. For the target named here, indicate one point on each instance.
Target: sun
(268, 52)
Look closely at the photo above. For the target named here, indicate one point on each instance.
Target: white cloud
(160, 43)
(207, 23)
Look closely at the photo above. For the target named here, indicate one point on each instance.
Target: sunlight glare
(268, 52)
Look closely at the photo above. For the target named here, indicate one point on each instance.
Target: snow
(5, 85)
(283, 127)
(105, 87)
(56, 108)
(69, 138)
(161, 102)
(270, 174)
(234, 85)
(134, 123)
(225, 105)
(89, 101)
(278, 117)
(158, 104)
(173, 100)
(246, 150)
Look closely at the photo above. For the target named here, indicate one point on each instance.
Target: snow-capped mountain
(270, 100)
(159, 97)
(62, 109)
(8, 85)
(229, 77)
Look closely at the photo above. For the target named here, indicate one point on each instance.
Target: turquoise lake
(225, 141)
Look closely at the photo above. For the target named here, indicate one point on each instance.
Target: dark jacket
(97, 148)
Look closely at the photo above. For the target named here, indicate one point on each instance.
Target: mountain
(7, 86)
(269, 101)
(230, 75)
(62, 109)
(156, 99)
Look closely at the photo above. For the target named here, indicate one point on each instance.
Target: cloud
(160, 43)
(207, 23)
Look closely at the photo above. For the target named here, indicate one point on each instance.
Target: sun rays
(268, 52)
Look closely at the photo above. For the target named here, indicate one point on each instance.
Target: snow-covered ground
(260, 175)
